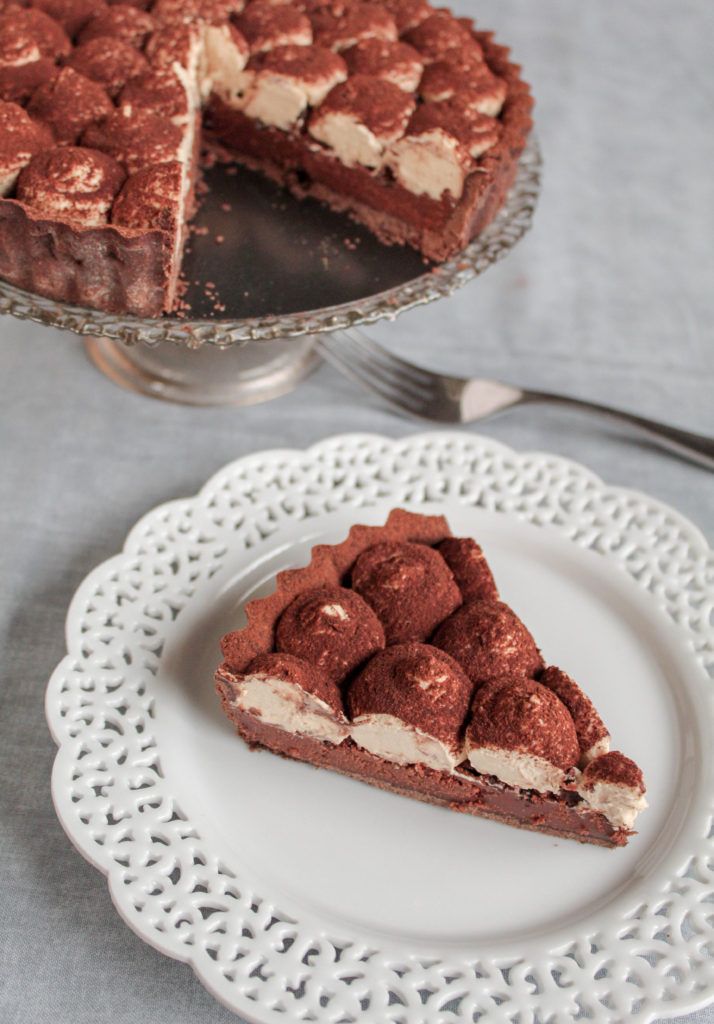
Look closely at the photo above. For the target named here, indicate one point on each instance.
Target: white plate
(300, 895)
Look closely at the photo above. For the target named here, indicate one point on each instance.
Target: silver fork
(436, 396)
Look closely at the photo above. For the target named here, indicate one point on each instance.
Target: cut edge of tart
(390, 658)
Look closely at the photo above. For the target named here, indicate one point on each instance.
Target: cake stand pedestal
(235, 375)
(264, 275)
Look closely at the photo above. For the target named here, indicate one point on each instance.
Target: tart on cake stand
(262, 283)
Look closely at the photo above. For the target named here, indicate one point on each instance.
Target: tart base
(558, 815)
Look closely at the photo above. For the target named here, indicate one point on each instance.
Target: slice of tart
(391, 659)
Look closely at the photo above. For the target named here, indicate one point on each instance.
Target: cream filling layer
(223, 64)
(524, 771)
(274, 99)
(289, 707)
(429, 164)
(390, 738)
(350, 140)
(619, 804)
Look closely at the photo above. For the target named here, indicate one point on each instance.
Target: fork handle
(695, 447)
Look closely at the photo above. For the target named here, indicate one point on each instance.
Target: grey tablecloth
(611, 296)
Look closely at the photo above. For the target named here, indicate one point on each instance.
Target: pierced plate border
(652, 960)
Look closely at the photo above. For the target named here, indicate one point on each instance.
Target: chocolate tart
(407, 118)
(391, 659)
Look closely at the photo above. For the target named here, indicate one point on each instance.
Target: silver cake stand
(266, 274)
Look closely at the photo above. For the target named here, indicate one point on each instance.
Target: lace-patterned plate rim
(511, 223)
(252, 503)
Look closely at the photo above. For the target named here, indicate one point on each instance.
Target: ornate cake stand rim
(509, 226)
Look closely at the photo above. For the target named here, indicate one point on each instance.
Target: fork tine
(351, 355)
(379, 362)
(397, 366)
(363, 374)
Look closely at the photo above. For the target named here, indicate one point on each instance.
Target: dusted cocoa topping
(310, 65)
(408, 14)
(71, 14)
(122, 21)
(615, 768)
(71, 183)
(593, 737)
(420, 686)
(217, 12)
(470, 569)
(151, 198)
(28, 35)
(473, 84)
(191, 12)
(174, 44)
(111, 62)
(398, 63)
(330, 627)
(173, 12)
(522, 717)
(379, 106)
(266, 26)
(18, 82)
(137, 141)
(339, 29)
(69, 103)
(465, 57)
(409, 586)
(20, 139)
(475, 132)
(440, 33)
(310, 7)
(159, 92)
(300, 673)
(489, 641)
